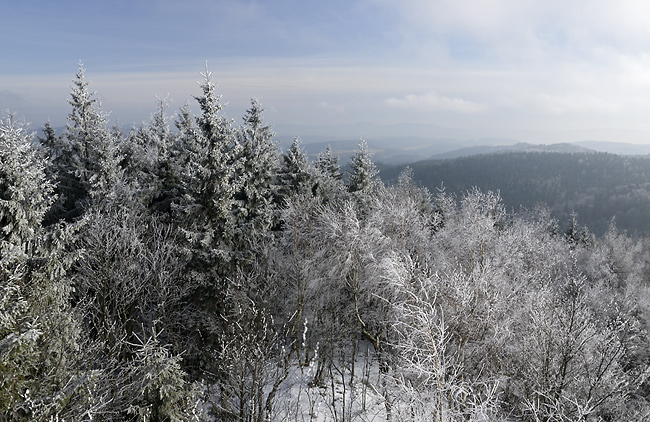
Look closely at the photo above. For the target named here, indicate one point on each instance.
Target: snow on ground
(347, 392)
(340, 396)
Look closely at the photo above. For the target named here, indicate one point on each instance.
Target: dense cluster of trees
(599, 187)
(188, 274)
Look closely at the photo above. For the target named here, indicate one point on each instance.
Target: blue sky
(538, 71)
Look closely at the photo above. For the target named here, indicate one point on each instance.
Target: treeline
(598, 187)
(192, 274)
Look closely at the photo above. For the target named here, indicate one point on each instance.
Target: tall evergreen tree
(147, 156)
(329, 165)
(209, 184)
(38, 330)
(92, 144)
(330, 178)
(50, 141)
(257, 161)
(25, 192)
(86, 160)
(173, 160)
(363, 172)
(295, 175)
(363, 183)
(204, 214)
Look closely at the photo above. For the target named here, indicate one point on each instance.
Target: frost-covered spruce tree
(576, 234)
(144, 150)
(209, 181)
(188, 136)
(160, 135)
(363, 182)
(328, 164)
(53, 146)
(88, 158)
(257, 164)
(159, 390)
(363, 172)
(166, 169)
(173, 159)
(204, 212)
(295, 175)
(50, 141)
(330, 179)
(25, 192)
(39, 373)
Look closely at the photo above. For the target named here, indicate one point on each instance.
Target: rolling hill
(599, 187)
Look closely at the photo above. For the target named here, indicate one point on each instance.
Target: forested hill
(597, 186)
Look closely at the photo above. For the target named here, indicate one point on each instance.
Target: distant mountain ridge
(622, 148)
(442, 150)
(519, 147)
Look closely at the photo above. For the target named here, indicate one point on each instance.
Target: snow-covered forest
(190, 270)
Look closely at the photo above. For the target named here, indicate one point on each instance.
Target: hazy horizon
(537, 72)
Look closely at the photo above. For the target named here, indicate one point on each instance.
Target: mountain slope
(598, 186)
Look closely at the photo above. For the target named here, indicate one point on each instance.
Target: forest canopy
(190, 270)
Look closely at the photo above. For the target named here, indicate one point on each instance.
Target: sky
(536, 71)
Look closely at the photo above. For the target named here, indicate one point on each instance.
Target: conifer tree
(209, 185)
(330, 178)
(204, 215)
(329, 165)
(173, 160)
(25, 192)
(257, 161)
(188, 133)
(87, 159)
(363, 172)
(87, 131)
(295, 175)
(38, 330)
(147, 157)
(50, 141)
(158, 127)
(577, 235)
(363, 183)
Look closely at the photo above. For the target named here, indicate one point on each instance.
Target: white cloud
(524, 32)
(434, 101)
(577, 103)
(338, 108)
